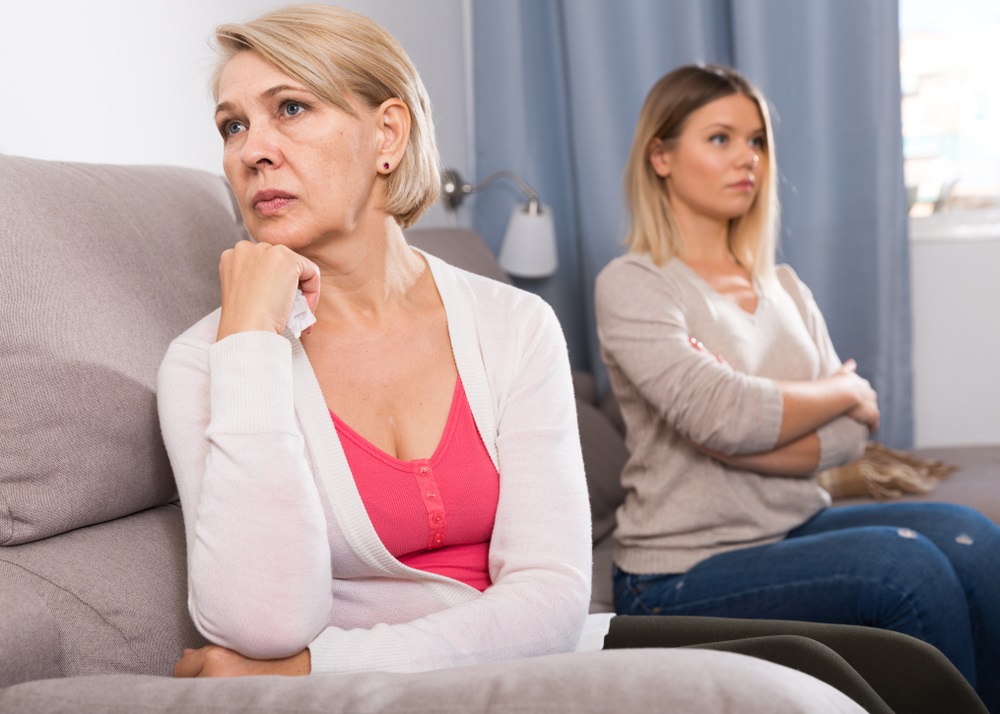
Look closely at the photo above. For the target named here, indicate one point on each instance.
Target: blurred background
(887, 117)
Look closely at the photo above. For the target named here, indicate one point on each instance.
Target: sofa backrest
(461, 247)
(102, 267)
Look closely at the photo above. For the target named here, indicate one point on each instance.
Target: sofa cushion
(114, 594)
(103, 266)
(29, 635)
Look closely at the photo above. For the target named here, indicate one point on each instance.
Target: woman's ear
(392, 124)
(659, 158)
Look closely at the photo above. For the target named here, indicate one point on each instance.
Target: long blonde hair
(337, 53)
(653, 229)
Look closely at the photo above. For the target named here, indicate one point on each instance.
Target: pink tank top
(432, 514)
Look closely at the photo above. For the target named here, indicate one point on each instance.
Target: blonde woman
(733, 397)
(375, 493)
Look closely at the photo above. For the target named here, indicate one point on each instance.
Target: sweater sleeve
(256, 533)
(540, 557)
(843, 439)
(644, 330)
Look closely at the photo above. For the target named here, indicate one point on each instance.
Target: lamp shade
(529, 243)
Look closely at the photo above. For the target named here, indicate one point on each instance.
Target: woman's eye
(757, 142)
(719, 139)
(231, 128)
(293, 108)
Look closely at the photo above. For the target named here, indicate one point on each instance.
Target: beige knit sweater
(681, 505)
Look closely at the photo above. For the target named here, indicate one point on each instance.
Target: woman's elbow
(733, 429)
(280, 637)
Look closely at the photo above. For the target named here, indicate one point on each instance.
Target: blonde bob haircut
(339, 54)
(653, 229)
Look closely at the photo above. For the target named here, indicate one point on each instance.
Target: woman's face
(713, 168)
(302, 169)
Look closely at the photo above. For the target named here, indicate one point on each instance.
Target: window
(950, 73)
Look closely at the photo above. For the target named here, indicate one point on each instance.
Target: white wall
(956, 341)
(126, 81)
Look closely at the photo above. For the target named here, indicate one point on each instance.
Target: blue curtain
(558, 87)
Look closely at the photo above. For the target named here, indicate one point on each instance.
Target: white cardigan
(281, 552)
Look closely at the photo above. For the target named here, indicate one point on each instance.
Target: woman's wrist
(230, 326)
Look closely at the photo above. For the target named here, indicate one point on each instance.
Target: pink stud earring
(386, 166)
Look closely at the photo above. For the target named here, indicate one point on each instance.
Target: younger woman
(734, 397)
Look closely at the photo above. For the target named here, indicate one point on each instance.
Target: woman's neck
(367, 275)
(705, 239)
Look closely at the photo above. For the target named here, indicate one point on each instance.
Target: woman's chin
(293, 239)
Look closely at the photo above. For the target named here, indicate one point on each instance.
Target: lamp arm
(454, 188)
(531, 193)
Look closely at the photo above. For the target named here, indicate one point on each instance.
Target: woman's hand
(258, 286)
(216, 661)
(866, 411)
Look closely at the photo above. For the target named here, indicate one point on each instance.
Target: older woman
(411, 442)
(734, 396)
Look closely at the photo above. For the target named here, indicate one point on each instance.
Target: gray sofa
(102, 267)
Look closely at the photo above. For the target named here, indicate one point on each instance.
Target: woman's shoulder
(634, 275)
(792, 284)
(786, 273)
(641, 266)
(628, 264)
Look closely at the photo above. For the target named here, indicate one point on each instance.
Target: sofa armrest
(683, 681)
(29, 635)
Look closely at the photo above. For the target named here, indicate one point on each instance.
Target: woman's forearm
(795, 459)
(806, 406)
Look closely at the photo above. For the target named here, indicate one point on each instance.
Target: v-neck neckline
(758, 293)
(404, 464)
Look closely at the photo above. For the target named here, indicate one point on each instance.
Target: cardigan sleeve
(843, 439)
(540, 557)
(644, 332)
(228, 422)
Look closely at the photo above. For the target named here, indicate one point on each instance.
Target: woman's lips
(271, 201)
(744, 186)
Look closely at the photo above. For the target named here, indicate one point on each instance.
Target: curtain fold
(558, 87)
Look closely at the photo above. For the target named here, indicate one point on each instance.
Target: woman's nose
(260, 147)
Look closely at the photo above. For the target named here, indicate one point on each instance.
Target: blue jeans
(930, 570)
